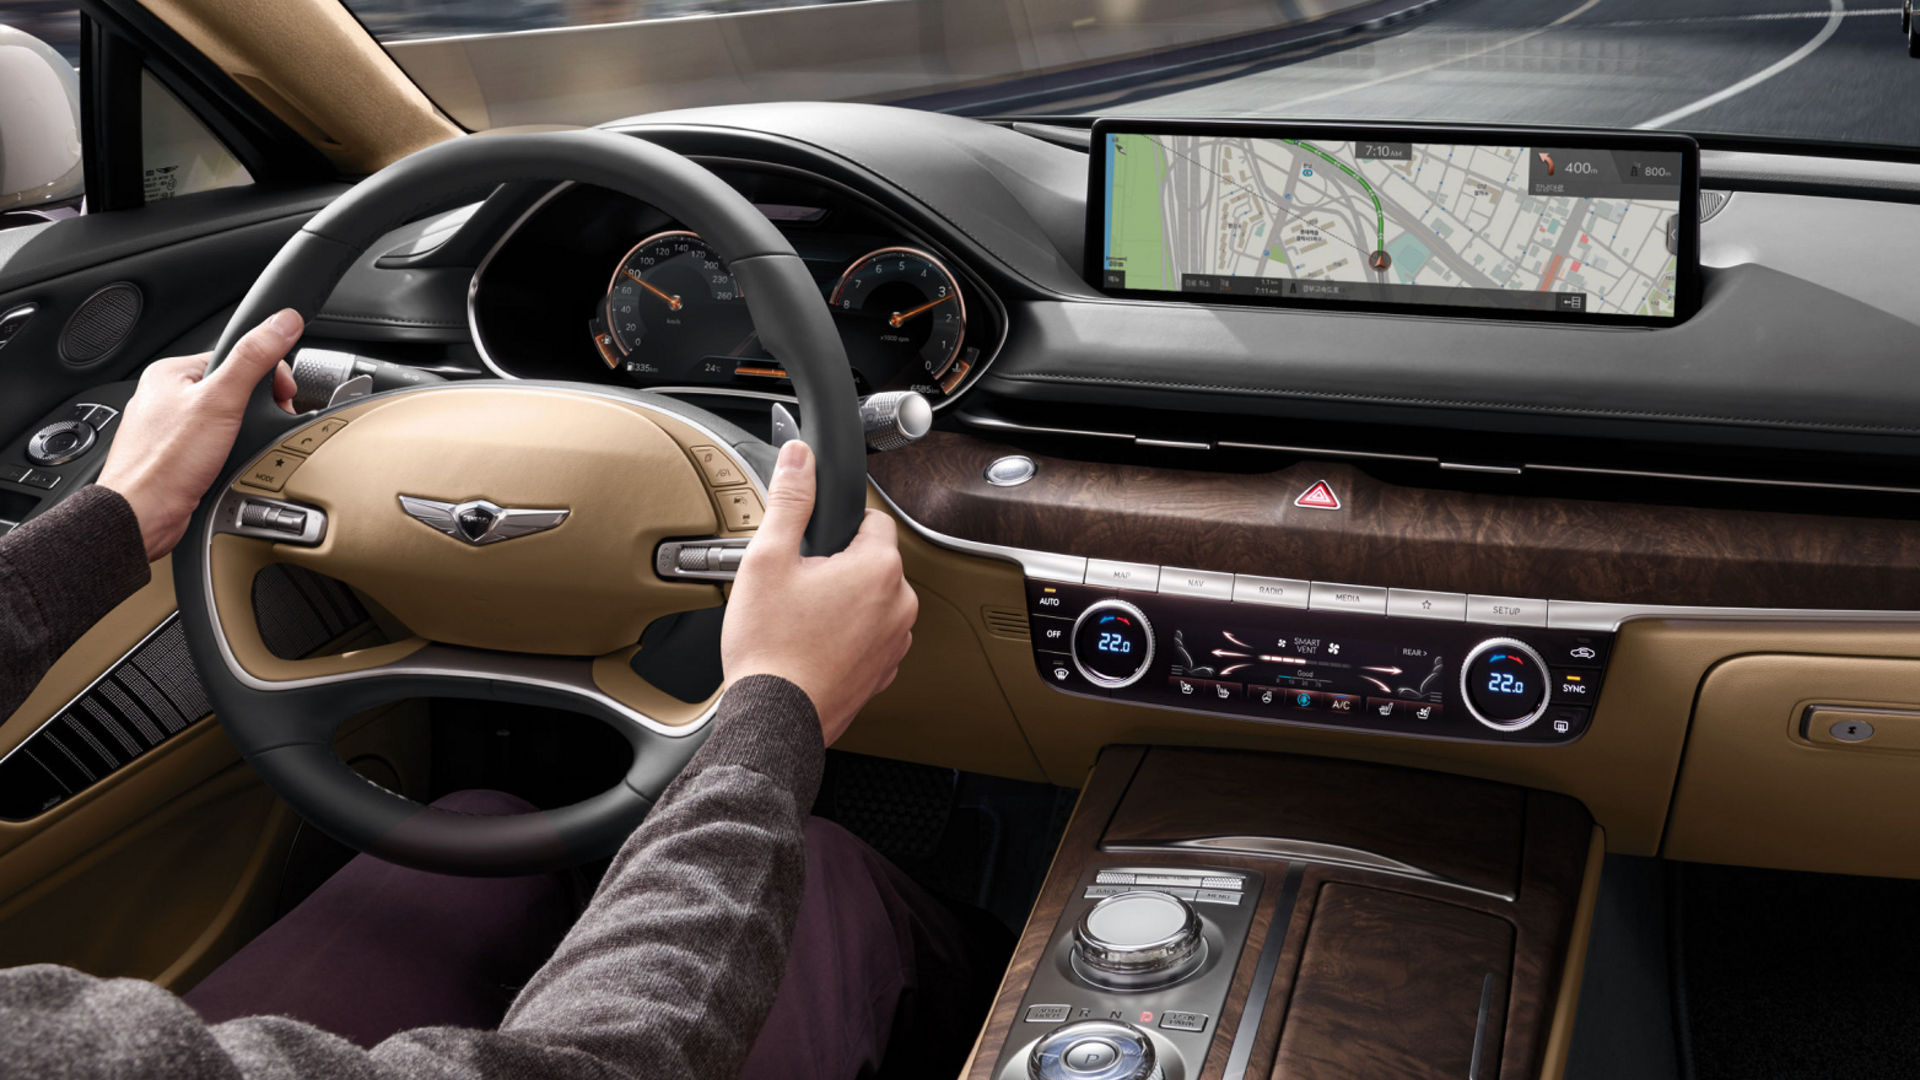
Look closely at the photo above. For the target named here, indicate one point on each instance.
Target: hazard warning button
(1318, 497)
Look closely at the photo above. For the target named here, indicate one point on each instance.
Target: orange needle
(902, 316)
(673, 302)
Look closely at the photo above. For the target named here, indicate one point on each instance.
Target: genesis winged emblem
(478, 521)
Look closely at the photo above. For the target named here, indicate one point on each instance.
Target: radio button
(1123, 575)
(1506, 610)
(1206, 584)
(1354, 599)
(1420, 604)
(1272, 591)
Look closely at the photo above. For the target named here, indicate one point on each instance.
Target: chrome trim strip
(1040, 565)
(1495, 470)
(1255, 1009)
(171, 618)
(1480, 1027)
(1708, 478)
(1305, 851)
(1170, 444)
(435, 662)
(473, 283)
(1587, 615)
(997, 424)
(1374, 455)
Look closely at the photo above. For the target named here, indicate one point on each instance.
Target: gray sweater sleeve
(669, 973)
(59, 573)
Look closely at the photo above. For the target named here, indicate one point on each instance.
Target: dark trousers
(378, 949)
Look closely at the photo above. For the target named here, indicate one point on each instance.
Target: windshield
(1804, 71)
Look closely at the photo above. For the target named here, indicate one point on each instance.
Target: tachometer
(674, 311)
(903, 320)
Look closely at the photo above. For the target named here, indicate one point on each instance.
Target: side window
(178, 155)
(41, 175)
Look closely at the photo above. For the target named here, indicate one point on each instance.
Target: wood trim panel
(1421, 538)
(1246, 795)
(1545, 853)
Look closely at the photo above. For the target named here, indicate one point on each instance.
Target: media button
(1357, 599)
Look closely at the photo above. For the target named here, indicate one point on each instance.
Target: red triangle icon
(1319, 497)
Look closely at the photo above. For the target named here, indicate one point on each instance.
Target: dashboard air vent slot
(1009, 623)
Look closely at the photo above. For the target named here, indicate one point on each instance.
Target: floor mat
(1791, 976)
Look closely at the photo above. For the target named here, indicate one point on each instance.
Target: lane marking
(1424, 68)
(1836, 15)
(1771, 16)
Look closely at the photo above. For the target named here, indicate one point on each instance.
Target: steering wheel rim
(284, 727)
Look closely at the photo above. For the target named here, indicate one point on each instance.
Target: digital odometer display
(1586, 228)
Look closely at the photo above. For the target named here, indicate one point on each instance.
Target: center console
(1213, 914)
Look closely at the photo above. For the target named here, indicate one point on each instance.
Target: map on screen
(1521, 228)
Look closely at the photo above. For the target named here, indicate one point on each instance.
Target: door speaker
(101, 323)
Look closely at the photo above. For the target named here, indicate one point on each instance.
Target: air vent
(1009, 623)
(101, 323)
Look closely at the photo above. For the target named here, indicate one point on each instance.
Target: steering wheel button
(740, 509)
(309, 438)
(720, 469)
(271, 470)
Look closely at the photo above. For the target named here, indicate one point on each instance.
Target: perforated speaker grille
(100, 323)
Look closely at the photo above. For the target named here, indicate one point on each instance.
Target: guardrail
(870, 50)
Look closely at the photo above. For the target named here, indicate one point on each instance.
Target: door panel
(163, 865)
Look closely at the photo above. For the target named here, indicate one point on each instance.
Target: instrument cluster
(591, 285)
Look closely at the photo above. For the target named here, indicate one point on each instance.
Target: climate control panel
(1439, 678)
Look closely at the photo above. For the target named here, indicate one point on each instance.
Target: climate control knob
(1112, 644)
(1504, 684)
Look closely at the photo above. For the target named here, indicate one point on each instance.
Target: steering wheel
(511, 530)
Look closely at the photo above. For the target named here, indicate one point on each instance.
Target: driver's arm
(62, 571)
(672, 969)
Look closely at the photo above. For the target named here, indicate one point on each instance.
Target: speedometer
(674, 311)
(903, 319)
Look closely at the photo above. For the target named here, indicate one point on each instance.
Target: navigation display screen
(1588, 228)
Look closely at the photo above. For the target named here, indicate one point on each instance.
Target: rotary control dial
(1112, 644)
(1137, 940)
(1504, 684)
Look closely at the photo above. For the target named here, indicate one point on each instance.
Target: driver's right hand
(835, 626)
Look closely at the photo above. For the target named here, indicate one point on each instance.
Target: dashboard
(597, 287)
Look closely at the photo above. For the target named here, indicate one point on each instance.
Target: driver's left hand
(179, 428)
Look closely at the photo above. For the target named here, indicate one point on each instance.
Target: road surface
(1819, 70)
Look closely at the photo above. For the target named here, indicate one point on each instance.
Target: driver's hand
(836, 626)
(178, 429)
